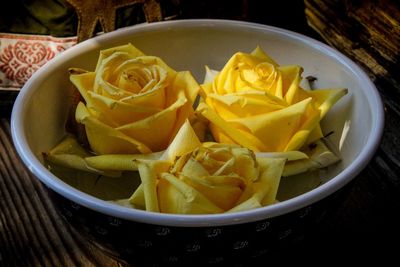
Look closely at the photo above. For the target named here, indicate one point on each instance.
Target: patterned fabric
(21, 55)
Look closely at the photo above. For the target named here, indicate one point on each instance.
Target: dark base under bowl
(248, 244)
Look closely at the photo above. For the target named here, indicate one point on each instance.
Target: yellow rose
(196, 178)
(133, 103)
(260, 105)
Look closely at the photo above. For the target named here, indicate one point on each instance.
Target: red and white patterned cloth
(22, 54)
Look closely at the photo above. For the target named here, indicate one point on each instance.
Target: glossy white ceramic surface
(357, 120)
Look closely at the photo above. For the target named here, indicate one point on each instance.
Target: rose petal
(70, 154)
(185, 82)
(149, 170)
(249, 204)
(275, 129)
(105, 82)
(268, 122)
(319, 156)
(116, 113)
(128, 48)
(291, 77)
(210, 75)
(270, 174)
(324, 99)
(302, 134)
(185, 86)
(110, 111)
(289, 155)
(227, 168)
(263, 190)
(258, 52)
(236, 135)
(69, 145)
(119, 162)
(184, 142)
(246, 165)
(315, 134)
(193, 168)
(84, 83)
(155, 131)
(225, 82)
(244, 104)
(104, 139)
(231, 180)
(137, 199)
(175, 196)
(263, 77)
(222, 194)
(128, 79)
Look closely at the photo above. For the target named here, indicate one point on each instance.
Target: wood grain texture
(364, 229)
(31, 231)
(369, 33)
(366, 31)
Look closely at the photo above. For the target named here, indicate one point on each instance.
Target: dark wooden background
(365, 227)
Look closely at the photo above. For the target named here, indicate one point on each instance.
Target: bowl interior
(356, 120)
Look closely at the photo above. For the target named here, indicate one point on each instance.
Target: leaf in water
(103, 187)
(295, 185)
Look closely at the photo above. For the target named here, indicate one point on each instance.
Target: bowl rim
(110, 209)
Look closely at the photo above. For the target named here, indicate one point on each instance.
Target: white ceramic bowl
(357, 119)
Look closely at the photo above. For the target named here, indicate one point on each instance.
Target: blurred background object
(39, 30)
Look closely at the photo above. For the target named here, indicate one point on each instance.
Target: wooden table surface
(365, 228)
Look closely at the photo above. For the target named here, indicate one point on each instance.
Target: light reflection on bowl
(41, 109)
